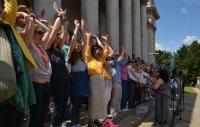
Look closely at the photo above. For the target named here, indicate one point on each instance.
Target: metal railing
(176, 102)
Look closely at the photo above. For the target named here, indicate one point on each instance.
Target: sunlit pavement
(190, 115)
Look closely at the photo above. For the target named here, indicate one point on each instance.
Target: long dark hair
(164, 75)
(75, 55)
(94, 48)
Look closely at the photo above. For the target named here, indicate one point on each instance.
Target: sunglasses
(41, 33)
(58, 34)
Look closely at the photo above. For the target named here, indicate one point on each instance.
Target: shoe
(124, 110)
(110, 116)
(77, 125)
(151, 97)
(98, 123)
(146, 98)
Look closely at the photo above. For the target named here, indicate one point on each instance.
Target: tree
(187, 59)
(163, 57)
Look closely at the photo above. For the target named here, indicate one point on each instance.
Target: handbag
(108, 123)
(7, 71)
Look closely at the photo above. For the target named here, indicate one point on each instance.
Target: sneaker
(77, 125)
(146, 98)
(151, 97)
(124, 110)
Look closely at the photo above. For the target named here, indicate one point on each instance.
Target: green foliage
(189, 90)
(163, 57)
(187, 59)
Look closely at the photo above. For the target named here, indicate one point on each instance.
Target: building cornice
(154, 12)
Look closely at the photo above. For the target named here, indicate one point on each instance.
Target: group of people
(55, 66)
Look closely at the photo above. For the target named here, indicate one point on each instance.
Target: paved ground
(190, 115)
(130, 118)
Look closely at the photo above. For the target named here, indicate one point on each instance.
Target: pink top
(124, 72)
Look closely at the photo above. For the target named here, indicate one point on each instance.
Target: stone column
(102, 22)
(39, 5)
(90, 12)
(153, 16)
(153, 45)
(149, 44)
(144, 29)
(136, 28)
(127, 26)
(112, 22)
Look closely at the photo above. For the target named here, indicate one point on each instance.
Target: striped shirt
(44, 69)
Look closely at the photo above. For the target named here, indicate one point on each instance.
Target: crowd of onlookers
(54, 66)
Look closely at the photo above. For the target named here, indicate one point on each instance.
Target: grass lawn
(189, 90)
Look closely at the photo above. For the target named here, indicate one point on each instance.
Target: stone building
(129, 23)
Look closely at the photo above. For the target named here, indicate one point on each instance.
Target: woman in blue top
(80, 85)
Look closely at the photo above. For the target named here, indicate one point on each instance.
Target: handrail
(162, 93)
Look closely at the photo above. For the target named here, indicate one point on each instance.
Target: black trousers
(76, 109)
(10, 116)
(39, 111)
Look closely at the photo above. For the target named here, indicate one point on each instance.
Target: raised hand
(76, 23)
(88, 34)
(105, 37)
(82, 24)
(123, 51)
(64, 14)
(56, 8)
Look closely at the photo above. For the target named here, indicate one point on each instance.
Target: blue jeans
(39, 111)
(60, 93)
(124, 99)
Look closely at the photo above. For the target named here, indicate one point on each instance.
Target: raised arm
(74, 37)
(122, 59)
(88, 55)
(53, 32)
(63, 34)
(27, 33)
(10, 11)
(106, 49)
(99, 42)
(84, 38)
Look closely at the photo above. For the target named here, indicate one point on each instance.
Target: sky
(179, 23)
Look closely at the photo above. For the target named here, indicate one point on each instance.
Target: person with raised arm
(59, 83)
(12, 110)
(35, 35)
(115, 63)
(95, 58)
(80, 85)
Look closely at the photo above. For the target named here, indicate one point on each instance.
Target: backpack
(7, 70)
(108, 123)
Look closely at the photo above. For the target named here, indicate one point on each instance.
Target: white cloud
(184, 10)
(189, 39)
(159, 46)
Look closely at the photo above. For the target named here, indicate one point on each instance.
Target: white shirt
(131, 73)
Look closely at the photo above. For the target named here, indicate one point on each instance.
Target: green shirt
(24, 96)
